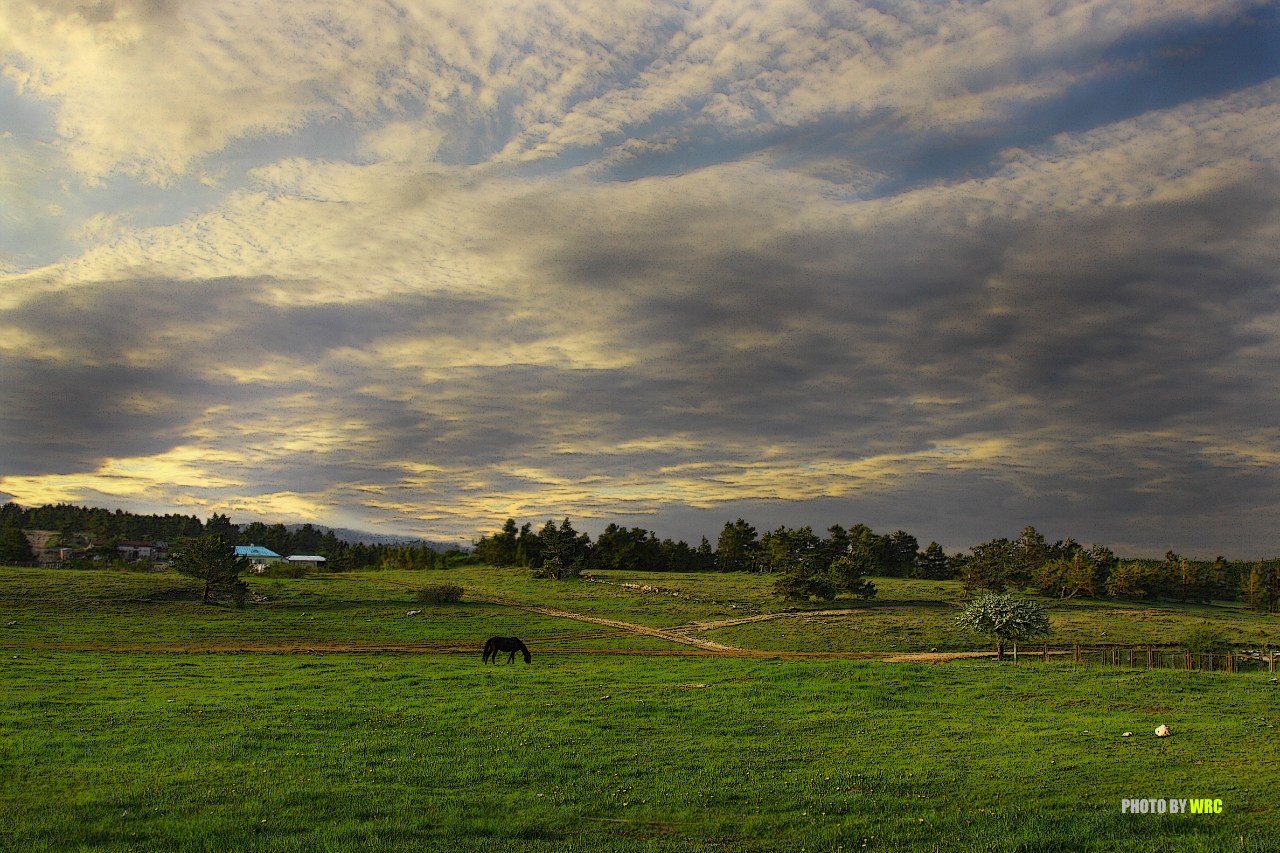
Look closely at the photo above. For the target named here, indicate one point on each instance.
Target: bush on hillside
(440, 593)
(1206, 639)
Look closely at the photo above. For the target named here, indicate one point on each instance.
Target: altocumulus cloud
(421, 266)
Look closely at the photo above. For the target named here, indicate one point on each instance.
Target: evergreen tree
(1134, 579)
(851, 574)
(902, 551)
(678, 556)
(1184, 579)
(220, 525)
(500, 549)
(619, 548)
(564, 552)
(1067, 577)
(705, 556)
(1030, 551)
(1261, 586)
(933, 563)
(737, 547)
(989, 566)
(870, 551)
(15, 549)
(212, 560)
(808, 570)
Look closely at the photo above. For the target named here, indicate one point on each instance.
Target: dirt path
(681, 635)
(759, 617)
(673, 635)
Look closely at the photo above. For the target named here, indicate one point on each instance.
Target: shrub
(440, 593)
(284, 569)
(1206, 639)
(553, 568)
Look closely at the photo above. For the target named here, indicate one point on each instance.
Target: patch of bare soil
(931, 657)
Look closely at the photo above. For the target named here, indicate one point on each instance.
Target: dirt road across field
(684, 635)
(673, 635)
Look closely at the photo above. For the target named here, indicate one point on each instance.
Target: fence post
(1046, 652)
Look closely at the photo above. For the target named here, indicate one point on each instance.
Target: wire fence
(1154, 657)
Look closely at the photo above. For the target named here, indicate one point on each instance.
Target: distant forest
(801, 558)
(93, 534)
(806, 562)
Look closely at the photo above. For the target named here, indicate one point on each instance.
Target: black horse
(495, 645)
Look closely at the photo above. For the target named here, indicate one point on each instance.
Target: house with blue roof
(259, 557)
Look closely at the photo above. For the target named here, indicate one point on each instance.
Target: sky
(417, 267)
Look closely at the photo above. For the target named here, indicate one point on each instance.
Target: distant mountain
(364, 537)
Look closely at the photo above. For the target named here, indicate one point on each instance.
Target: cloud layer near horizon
(423, 267)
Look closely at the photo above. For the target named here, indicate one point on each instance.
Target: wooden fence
(1155, 657)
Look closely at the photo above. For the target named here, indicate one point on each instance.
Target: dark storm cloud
(63, 417)
(1107, 340)
(1122, 319)
(130, 366)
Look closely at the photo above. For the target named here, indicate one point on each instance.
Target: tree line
(812, 566)
(807, 565)
(94, 533)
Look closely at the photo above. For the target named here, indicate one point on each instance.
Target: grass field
(344, 724)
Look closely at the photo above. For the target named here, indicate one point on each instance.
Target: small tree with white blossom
(1005, 618)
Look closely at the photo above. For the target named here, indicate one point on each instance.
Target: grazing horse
(495, 645)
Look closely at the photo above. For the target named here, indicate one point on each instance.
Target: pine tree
(15, 550)
(933, 563)
(213, 560)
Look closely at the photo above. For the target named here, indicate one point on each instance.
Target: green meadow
(324, 717)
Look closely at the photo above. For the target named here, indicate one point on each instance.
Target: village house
(132, 552)
(259, 557)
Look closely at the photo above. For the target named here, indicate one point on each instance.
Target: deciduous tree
(1005, 618)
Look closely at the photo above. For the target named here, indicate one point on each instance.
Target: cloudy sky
(420, 265)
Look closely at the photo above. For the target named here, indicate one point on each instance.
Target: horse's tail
(490, 648)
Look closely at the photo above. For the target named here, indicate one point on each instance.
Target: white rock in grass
(1127, 734)
(1162, 731)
